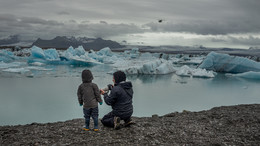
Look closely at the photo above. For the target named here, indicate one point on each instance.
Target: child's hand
(100, 103)
(80, 104)
(102, 91)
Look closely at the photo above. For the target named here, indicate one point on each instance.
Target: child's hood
(87, 76)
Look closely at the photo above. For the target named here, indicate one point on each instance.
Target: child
(89, 96)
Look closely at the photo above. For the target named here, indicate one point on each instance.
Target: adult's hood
(87, 76)
(125, 85)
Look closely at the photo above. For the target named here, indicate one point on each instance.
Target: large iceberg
(229, 64)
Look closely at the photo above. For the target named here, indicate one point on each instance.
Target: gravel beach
(226, 125)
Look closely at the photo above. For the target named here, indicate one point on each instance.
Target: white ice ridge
(247, 75)
(157, 66)
(4, 65)
(17, 70)
(197, 72)
(229, 64)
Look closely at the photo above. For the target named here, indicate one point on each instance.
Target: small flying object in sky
(160, 20)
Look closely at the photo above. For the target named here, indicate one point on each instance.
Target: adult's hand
(102, 91)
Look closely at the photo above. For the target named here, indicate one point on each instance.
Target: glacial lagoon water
(50, 96)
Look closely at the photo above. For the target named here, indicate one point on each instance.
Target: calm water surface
(51, 96)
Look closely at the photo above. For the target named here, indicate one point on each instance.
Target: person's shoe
(117, 123)
(128, 123)
(86, 129)
(96, 129)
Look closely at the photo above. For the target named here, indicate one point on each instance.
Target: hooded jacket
(120, 99)
(88, 92)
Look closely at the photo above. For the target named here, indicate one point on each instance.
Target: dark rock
(227, 125)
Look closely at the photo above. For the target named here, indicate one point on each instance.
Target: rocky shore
(227, 125)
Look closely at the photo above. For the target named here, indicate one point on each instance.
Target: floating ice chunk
(165, 68)
(17, 70)
(190, 72)
(229, 64)
(69, 52)
(248, 75)
(37, 68)
(134, 53)
(37, 63)
(110, 60)
(51, 54)
(6, 56)
(105, 52)
(147, 55)
(37, 52)
(194, 61)
(79, 51)
(9, 65)
(78, 61)
(159, 66)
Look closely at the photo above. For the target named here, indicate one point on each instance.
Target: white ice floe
(4, 65)
(247, 75)
(37, 68)
(83, 61)
(229, 64)
(17, 70)
(6, 56)
(105, 52)
(37, 64)
(158, 66)
(197, 72)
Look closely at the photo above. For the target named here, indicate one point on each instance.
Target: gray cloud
(37, 18)
(251, 40)
(31, 27)
(63, 13)
(205, 27)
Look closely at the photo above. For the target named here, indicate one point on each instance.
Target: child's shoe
(117, 123)
(86, 128)
(96, 129)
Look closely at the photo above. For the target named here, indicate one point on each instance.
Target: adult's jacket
(120, 99)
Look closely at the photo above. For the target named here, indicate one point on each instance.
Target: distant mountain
(10, 40)
(63, 42)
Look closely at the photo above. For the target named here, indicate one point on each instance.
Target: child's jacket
(88, 92)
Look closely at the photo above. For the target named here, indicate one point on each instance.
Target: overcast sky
(220, 23)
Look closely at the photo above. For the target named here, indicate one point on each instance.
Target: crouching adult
(120, 99)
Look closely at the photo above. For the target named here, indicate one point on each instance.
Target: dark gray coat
(120, 99)
(88, 92)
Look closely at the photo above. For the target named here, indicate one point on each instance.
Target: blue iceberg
(51, 54)
(248, 75)
(105, 52)
(6, 56)
(80, 51)
(158, 66)
(229, 64)
(37, 52)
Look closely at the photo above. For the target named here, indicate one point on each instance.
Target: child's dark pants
(91, 112)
